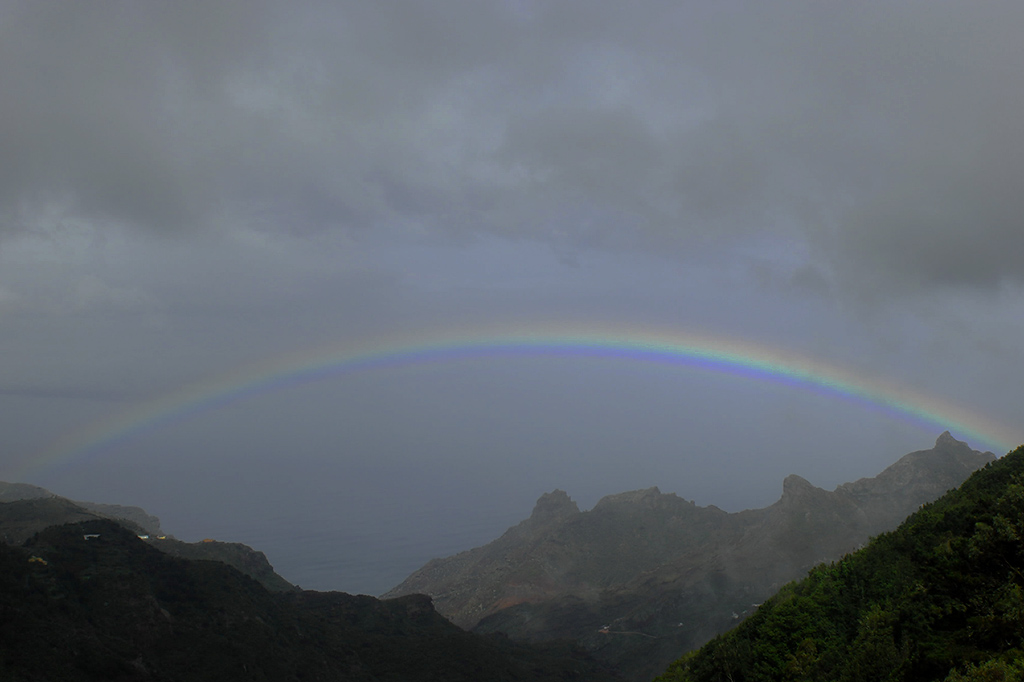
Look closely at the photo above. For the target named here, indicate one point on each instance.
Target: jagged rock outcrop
(644, 576)
(553, 506)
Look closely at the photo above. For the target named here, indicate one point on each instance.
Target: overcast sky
(188, 188)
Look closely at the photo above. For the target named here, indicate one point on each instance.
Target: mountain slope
(942, 597)
(137, 515)
(32, 509)
(22, 518)
(249, 561)
(91, 601)
(643, 575)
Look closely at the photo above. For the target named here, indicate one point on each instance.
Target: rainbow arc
(668, 348)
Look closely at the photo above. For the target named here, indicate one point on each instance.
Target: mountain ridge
(670, 572)
(26, 510)
(93, 602)
(940, 597)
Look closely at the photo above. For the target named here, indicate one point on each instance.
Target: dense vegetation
(942, 597)
(114, 608)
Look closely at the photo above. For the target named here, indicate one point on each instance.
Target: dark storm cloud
(885, 138)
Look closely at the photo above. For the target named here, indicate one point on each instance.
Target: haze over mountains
(209, 212)
(644, 576)
(205, 204)
(635, 581)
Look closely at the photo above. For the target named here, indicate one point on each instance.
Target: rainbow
(662, 347)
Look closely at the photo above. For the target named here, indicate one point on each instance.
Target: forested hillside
(941, 597)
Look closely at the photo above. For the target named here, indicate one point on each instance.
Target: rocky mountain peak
(553, 505)
(646, 498)
(947, 444)
(946, 440)
(793, 484)
(798, 492)
(795, 487)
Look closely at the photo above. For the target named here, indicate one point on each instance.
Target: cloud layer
(883, 141)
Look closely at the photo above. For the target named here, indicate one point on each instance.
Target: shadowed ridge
(137, 517)
(36, 509)
(92, 602)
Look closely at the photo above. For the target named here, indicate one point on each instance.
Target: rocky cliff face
(644, 576)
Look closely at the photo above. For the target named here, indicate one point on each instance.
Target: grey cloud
(106, 108)
(886, 136)
(65, 393)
